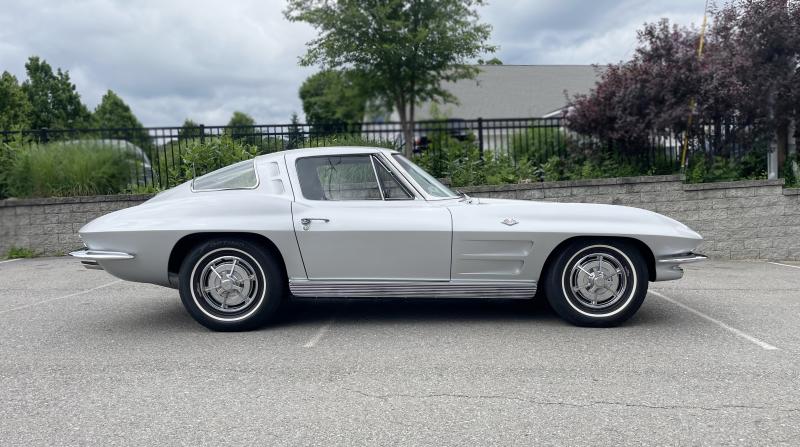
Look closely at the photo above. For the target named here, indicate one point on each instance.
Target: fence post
(202, 133)
(480, 137)
(43, 135)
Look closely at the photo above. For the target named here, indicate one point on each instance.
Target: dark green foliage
(55, 103)
(189, 130)
(241, 119)
(114, 113)
(703, 169)
(295, 133)
(15, 107)
(332, 100)
(240, 127)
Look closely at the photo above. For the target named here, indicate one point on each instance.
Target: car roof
(332, 150)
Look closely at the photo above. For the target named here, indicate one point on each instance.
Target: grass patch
(61, 170)
(20, 252)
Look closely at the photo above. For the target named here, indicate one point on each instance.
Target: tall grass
(57, 170)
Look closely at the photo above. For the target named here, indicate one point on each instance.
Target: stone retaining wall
(754, 219)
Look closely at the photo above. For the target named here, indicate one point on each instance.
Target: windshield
(425, 180)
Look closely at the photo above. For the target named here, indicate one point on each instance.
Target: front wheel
(597, 283)
(231, 285)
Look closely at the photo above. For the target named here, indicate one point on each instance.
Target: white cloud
(203, 59)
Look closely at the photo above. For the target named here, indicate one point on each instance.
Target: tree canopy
(241, 119)
(189, 130)
(241, 127)
(55, 102)
(748, 77)
(15, 108)
(405, 49)
(332, 98)
(114, 113)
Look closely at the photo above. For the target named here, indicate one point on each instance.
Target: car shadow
(311, 311)
(173, 317)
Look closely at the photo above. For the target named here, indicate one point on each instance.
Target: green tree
(332, 100)
(54, 100)
(492, 61)
(241, 119)
(405, 49)
(189, 130)
(15, 107)
(240, 126)
(295, 133)
(113, 114)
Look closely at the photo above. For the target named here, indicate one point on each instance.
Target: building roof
(514, 91)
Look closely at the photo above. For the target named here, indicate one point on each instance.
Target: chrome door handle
(307, 220)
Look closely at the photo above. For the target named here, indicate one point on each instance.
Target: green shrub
(66, 170)
(342, 140)
(19, 252)
(720, 169)
(538, 143)
(202, 157)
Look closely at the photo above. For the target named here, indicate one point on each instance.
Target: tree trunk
(406, 127)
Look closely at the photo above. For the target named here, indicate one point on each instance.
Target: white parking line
(60, 297)
(10, 260)
(735, 331)
(785, 265)
(320, 333)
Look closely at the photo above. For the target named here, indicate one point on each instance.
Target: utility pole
(693, 101)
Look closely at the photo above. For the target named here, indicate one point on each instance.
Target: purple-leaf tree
(746, 80)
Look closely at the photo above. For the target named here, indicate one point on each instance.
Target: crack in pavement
(569, 404)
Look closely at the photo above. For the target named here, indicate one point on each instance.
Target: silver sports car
(367, 222)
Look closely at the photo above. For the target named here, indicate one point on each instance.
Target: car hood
(581, 218)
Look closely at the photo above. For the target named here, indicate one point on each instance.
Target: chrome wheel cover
(598, 280)
(228, 284)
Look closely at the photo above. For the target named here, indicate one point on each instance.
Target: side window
(392, 189)
(346, 177)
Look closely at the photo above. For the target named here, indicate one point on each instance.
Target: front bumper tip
(89, 258)
(669, 267)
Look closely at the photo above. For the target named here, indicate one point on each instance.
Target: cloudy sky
(203, 59)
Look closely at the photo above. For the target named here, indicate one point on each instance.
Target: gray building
(513, 91)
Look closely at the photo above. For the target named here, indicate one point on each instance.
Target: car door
(356, 219)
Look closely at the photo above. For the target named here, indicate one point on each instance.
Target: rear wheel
(597, 283)
(231, 285)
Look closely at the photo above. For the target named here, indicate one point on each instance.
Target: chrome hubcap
(228, 284)
(598, 280)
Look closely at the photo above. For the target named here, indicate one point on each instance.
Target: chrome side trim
(100, 255)
(413, 289)
(683, 259)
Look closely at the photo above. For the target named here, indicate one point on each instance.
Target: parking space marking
(60, 297)
(785, 265)
(10, 260)
(320, 333)
(735, 331)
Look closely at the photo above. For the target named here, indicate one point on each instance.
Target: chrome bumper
(89, 258)
(669, 267)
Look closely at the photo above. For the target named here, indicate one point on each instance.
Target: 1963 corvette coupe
(367, 222)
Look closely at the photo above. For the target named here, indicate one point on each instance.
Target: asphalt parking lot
(89, 360)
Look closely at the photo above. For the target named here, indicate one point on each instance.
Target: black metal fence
(158, 153)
